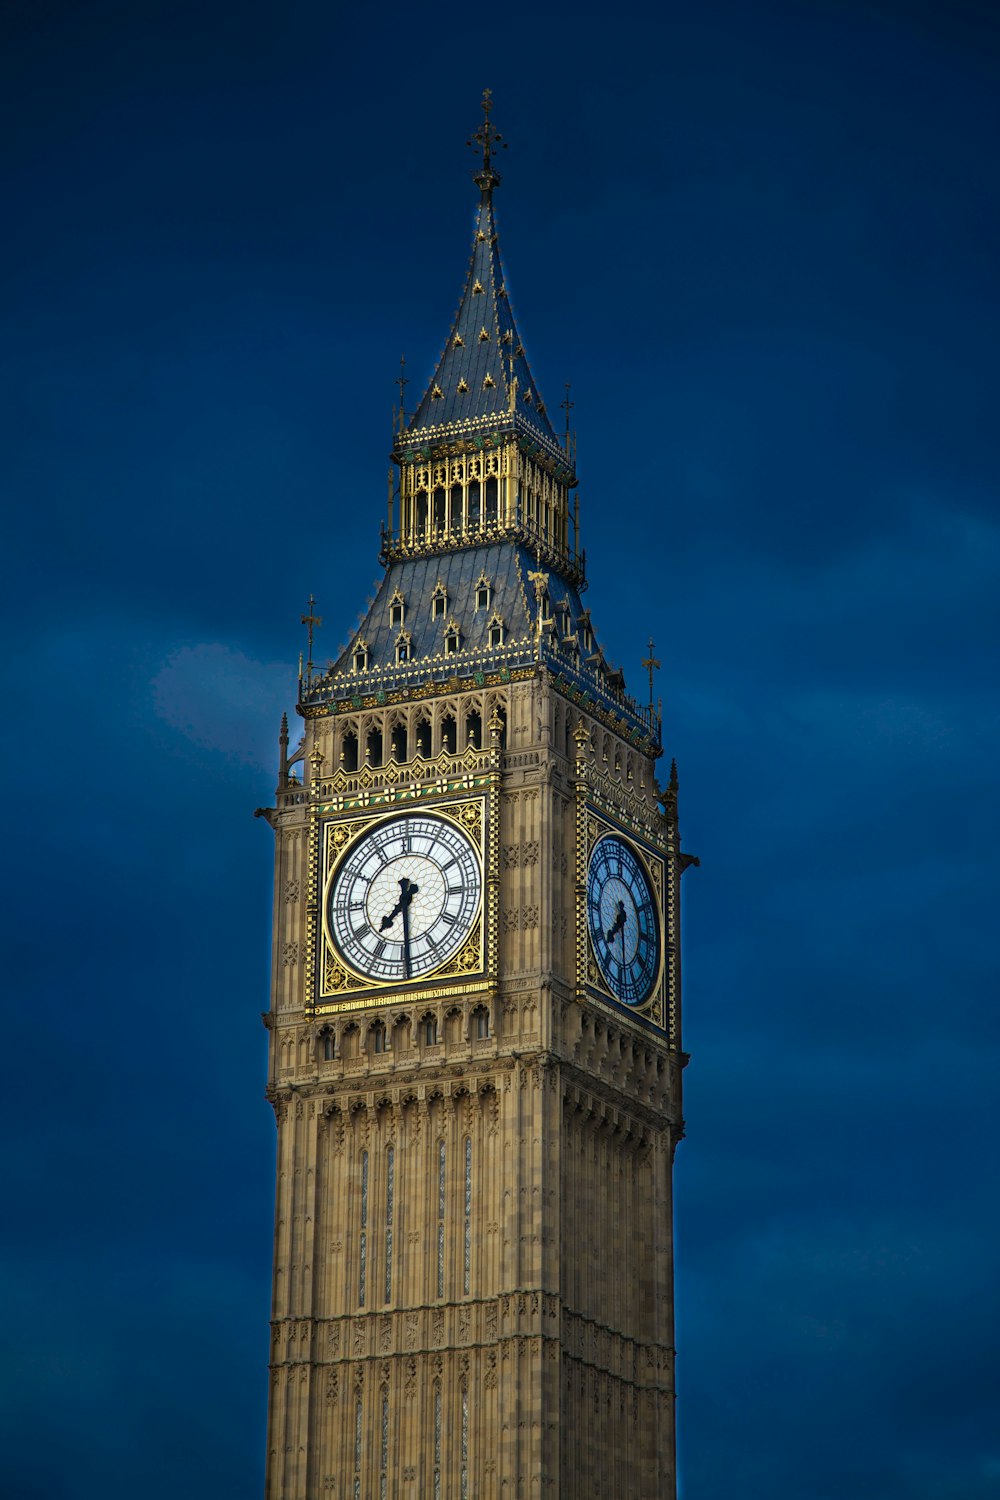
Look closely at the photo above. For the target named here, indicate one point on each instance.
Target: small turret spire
(486, 139)
(283, 752)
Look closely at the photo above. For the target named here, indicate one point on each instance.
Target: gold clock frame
(592, 826)
(336, 986)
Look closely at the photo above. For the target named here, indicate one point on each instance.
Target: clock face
(623, 922)
(405, 898)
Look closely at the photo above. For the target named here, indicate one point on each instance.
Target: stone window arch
(474, 729)
(349, 750)
(453, 1025)
(399, 741)
(423, 738)
(479, 1024)
(428, 1029)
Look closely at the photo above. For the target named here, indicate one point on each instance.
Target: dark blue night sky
(762, 242)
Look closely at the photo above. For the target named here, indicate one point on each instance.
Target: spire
(483, 373)
(486, 139)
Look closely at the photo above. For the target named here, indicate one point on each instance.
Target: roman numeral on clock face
(623, 920)
(404, 897)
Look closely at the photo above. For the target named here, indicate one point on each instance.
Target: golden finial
(486, 139)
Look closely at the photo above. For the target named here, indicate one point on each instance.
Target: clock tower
(475, 1046)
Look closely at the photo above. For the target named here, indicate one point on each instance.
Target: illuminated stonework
(477, 1087)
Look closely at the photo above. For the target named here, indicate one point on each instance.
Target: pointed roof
(483, 370)
(483, 374)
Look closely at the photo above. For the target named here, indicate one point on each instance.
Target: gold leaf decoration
(335, 979)
(468, 959)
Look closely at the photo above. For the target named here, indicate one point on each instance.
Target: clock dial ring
(623, 921)
(403, 897)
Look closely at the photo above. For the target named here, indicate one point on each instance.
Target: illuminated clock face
(623, 922)
(405, 898)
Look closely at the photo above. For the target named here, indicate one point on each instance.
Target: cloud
(223, 700)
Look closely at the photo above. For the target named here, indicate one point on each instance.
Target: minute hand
(406, 938)
(407, 891)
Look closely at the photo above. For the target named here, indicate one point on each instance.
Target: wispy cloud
(223, 700)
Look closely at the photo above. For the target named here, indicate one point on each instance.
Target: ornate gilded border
(595, 826)
(331, 981)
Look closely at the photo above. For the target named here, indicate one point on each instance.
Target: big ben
(475, 1028)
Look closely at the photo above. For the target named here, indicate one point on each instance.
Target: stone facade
(473, 1250)
(473, 1237)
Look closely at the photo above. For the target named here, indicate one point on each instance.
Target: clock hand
(388, 921)
(406, 937)
(407, 890)
(618, 925)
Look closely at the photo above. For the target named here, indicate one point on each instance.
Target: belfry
(475, 1026)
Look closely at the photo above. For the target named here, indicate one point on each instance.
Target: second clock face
(405, 898)
(623, 922)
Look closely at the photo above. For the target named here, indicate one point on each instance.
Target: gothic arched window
(397, 610)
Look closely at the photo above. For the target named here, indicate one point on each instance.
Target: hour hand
(388, 921)
(617, 925)
(407, 891)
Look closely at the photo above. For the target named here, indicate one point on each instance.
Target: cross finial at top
(311, 620)
(567, 406)
(652, 665)
(402, 380)
(486, 139)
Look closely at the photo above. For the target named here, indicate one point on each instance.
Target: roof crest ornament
(486, 139)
